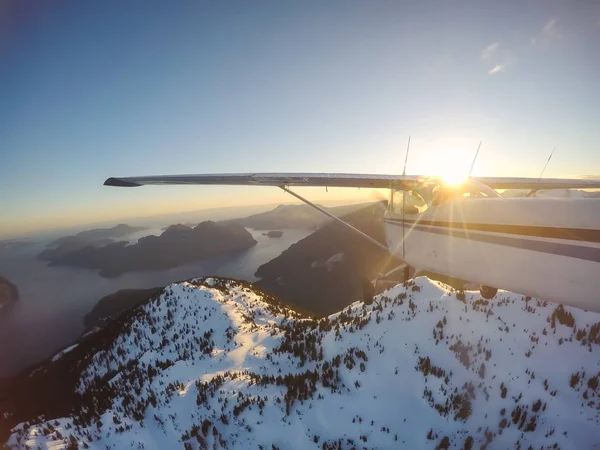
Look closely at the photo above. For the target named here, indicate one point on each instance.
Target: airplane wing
(277, 179)
(345, 180)
(537, 183)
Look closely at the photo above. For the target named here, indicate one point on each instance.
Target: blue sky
(96, 89)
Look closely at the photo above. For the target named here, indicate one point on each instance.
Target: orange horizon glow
(146, 207)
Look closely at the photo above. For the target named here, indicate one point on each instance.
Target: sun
(452, 172)
(453, 178)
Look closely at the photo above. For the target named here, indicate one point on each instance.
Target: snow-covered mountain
(212, 363)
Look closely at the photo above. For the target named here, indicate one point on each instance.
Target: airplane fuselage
(547, 248)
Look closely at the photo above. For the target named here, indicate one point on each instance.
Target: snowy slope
(64, 352)
(211, 364)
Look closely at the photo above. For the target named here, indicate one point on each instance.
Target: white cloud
(489, 51)
(497, 58)
(550, 33)
(550, 27)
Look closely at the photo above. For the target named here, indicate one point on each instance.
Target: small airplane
(547, 248)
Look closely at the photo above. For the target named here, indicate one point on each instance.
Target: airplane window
(413, 202)
(444, 194)
(485, 191)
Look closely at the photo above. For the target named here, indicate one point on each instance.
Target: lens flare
(453, 178)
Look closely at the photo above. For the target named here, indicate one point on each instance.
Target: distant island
(94, 238)
(292, 216)
(187, 224)
(273, 234)
(177, 245)
(8, 292)
(12, 243)
(100, 233)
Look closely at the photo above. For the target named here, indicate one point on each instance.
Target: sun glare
(451, 172)
(453, 178)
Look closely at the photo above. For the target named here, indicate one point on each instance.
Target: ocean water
(54, 300)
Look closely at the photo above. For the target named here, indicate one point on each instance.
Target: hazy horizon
(162, 219)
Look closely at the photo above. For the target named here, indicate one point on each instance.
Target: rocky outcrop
(113, 305)
(8, 292)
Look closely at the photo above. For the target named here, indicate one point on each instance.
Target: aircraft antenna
(532, 192)
(406, 157)
(404, 201)
(546, 165)
(474, 159)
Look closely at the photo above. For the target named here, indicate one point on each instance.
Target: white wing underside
(344, 180)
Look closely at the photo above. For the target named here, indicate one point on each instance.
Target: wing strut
(334, 217)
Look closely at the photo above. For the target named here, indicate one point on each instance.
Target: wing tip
(118, 182)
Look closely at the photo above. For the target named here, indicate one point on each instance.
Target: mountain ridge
(294, 216)
(210, 362)
(324, 272)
